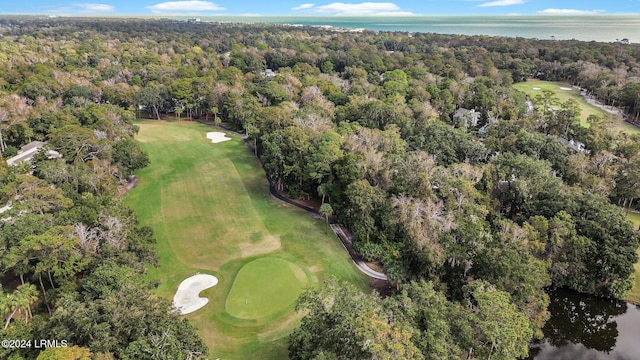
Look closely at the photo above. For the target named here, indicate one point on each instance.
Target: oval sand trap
(186, 299)
(264, 287)
(536, 88)
(217, 137)
(566, 88)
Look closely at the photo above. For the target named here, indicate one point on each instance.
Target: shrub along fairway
(535, 87)
(211, 211)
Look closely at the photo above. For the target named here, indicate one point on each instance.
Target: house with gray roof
(27, 152)
(572, 144)
(466, 118)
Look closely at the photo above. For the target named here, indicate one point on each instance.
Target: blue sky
(321, 7)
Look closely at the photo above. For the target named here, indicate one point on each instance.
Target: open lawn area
(211, 211)
(565, 92)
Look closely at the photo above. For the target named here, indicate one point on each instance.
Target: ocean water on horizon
(603, 28)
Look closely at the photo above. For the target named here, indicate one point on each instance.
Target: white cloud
(94, 8)
(303, 7)
(365, 8)
(83, 8)
(569, 12)
(184, 6)
(502, 3)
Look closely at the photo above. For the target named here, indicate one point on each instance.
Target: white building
(27, 152)
(575, 145)
(466, 118)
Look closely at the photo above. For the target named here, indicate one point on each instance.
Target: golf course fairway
(210, 208)
(564, 92)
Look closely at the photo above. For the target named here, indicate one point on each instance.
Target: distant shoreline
(601, 28)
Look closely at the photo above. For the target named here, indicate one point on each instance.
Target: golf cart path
(357, 258)
(346, 240)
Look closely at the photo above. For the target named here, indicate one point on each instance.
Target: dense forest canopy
(471, 219)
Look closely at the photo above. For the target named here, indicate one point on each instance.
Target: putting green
(264, 287)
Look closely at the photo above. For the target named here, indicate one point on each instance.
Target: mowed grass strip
(211, 211)
(535, 87)
(635, 218)
(634, 294)
(265, 287)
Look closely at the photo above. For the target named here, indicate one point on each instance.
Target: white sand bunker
(186, 299)
(566, 88)
(217, 137)
(536, 88)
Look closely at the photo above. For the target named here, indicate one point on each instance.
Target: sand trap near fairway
(186, 299)
(217, 137)
(566, 88)
(535, 88)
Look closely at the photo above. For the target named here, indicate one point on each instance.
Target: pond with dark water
(589, 328)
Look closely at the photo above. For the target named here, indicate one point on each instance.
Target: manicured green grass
(634, 294)
(264, 287)
(634, 217)
(535, 87)
(211, 211)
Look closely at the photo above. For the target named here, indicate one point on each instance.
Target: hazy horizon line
(317, 15)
